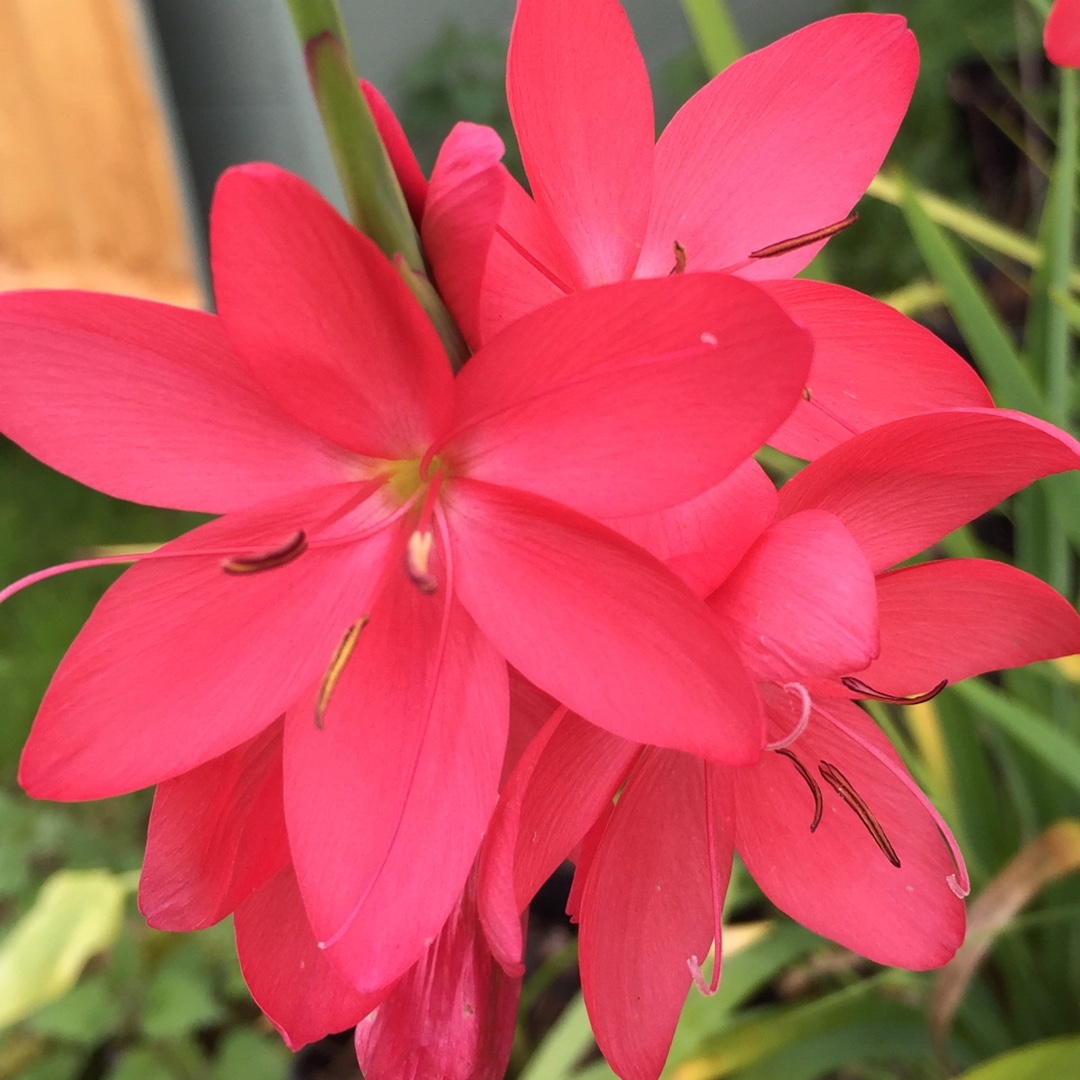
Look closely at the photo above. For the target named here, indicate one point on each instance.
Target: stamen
(806, 394)
(805, 240)
(694, 964)
(842, 786)
(804, 716)
(533, 261)
(857, 686)
(418, 560)
(680, 259)
(271, 559)
(811, 783)
(334, 671)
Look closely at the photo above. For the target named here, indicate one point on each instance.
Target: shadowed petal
(599, 624)
(836, 880)
(648, 907)
(782, 143)
(287, 973)
(568, 774)
(703, 540)
(871, 365)
(148, 402)
(216, 834)
(386, 803)
(902, 486)
(694, 374)
(451, 1016)
(322, 319)
(802, 602)
(960, 617)
(579, 96)
(181, 661)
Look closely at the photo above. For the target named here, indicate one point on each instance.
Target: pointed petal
(148, 402)
(451, 1016)
(216, 834)
(906, 484)
(780, 144)
(871, 365)
(288, 975)
(565, 601)
(181, 661)
(530, 710)
(836, 880)
(464, 203)
(411, 747)
(694, 373)
(960, 617)
(406, 168)
(322, 319)
(648, 906)
(703, 540)
(582, 108)
(803, 601)
(1061, 37)
(527, 264)
(568, 774)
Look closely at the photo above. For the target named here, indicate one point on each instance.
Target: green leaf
(77, 915)
(247, 1053)
(87, 1014)
(142, 1064)
(178, 1001)
(568, 1041)
(1046, 1060)
(1054, 749)
(715, 33)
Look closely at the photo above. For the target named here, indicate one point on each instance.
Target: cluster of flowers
(443, 621)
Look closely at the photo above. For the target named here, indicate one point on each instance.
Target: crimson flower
(1061, 36)
(390, 537)
(829, 823)
(764, 158)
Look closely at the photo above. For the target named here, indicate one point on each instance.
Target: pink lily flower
(750, 177)
(829, 823)
(391, 537)
(1061, 36)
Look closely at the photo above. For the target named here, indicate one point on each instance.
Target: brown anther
(811, 783)
(842, 786)
(857, 686)
(283, 554)
(680, 259)
(806, 393)
(334, 671)
(805, 240)
(418, 561)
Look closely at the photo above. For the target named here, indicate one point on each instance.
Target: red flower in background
(778, 146)
(1061, 37)
(829, 822)
(323, 669)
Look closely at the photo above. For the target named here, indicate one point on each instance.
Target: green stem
(372, 192)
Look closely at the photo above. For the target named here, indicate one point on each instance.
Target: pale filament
(693, 963)
(806, 706)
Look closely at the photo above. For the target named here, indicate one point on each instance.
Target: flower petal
(216, 834)
(703, 540)
(568, 774)
(780, 144)
(322, 319)
(648, 906)
(802, 602)
(287, 973)
(411, 748)
(582, 108)
(906, 484)
(1061, 37)
(694, 374)
(871, 365)
(463, 207)
(451, 1016)
(565, 601)
(181, 661)
(402, 159)
(960, 617)
(836, 880)
(148, 402)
